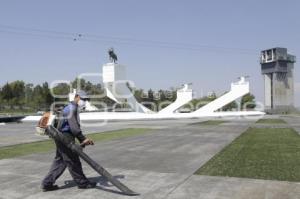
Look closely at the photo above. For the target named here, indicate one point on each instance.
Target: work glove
(87, 141)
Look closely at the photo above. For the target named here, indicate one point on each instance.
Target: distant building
(277, 68)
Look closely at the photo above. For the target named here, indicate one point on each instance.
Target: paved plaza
(158, 164)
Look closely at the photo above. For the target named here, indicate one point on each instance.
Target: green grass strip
(48, 145)
(210, 122)
(271, 121)
(271, 154)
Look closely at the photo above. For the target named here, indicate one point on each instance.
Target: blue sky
(163, 43)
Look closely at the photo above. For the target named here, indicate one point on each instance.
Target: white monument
(116, 87)
(238, 90)
(184, 96)
(115, 84)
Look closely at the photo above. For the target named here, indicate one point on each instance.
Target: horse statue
(112, 56)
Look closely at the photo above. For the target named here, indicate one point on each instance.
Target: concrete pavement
(159, 164)
(17, 133)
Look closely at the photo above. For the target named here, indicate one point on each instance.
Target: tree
(162, 96)
(18, 93)
(230, 106)
(138, 94)
(248, 101)
(150, 95)
(37, 97)
(46, 95)
(79, 84)
(28, 95)
(7, 94)
(1, 99)
(61, 89)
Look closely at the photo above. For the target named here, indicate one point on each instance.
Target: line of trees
(25, 97)
(19, 96)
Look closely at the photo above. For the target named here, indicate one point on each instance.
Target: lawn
(210, 122)
(272, 154)
(271, 121)
(48, 145)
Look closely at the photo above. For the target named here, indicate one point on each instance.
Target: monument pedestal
(115, 83)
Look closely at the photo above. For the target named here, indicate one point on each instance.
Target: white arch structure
(115, 84)
(238, 90)
(114, 79)
(184, 96)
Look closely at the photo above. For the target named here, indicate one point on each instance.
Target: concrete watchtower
(277, 69)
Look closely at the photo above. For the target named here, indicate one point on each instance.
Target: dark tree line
(17, 96)
(24, 97)
(154, 100)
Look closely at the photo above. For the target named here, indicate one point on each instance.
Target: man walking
(69, 125)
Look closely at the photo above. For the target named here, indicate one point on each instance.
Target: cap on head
(82, 95)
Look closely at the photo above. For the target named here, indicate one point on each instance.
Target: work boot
(90, 185)
(49, 188)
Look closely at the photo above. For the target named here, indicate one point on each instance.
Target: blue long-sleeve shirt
(71, 121)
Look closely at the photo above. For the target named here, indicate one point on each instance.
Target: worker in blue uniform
(69, 125)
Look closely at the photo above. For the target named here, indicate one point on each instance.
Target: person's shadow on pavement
(102, 184)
